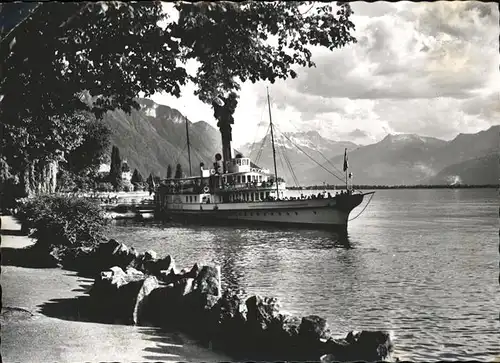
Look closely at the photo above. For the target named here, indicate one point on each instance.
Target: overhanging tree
(68, 58)
(88, 156)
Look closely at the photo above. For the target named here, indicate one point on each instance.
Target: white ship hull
(329, 212)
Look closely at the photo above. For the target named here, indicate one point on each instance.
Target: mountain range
(411, 159)
(154, 136)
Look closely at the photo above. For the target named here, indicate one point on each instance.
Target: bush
(63, 222)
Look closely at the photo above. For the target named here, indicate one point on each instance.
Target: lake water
(422, 264)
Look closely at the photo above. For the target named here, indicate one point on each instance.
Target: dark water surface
(420, 263)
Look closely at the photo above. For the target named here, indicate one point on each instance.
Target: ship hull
(316, 213)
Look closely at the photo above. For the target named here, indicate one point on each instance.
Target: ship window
(239, 178)
(279, 213)
(314, 212)
(272, 213)
(261, 195)
(186, 198)
(252, 196)
(296, 213)
(260, 177)
(258, 214)
(287, 213)
(265, 214)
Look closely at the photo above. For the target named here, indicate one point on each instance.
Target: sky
(430, 69)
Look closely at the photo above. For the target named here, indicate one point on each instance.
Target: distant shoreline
(340, 187)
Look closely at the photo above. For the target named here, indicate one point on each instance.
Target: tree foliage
(233, 41)
(224, 114)
(88, 156)
(115, 171)
(136, 177)
(69, 58)
(178, 171)
(169, 171)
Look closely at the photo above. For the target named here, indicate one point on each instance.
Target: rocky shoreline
(142, 289)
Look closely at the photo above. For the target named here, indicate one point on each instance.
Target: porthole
(296, 213)
(314, 212)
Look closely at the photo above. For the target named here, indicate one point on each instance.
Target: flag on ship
(346, 165)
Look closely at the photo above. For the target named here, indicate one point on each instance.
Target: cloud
(425, 68)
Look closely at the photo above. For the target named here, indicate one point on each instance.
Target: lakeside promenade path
(40, 320)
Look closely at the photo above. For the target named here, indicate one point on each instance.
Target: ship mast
(272, 142)
(189, 148)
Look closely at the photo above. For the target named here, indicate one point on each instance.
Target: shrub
(63, 222)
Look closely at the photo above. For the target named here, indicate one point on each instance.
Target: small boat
(237, 190)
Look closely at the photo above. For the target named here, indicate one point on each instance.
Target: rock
(289, 326)
(149, 255)
(80, 259)
(115, 294)
(114, 278)
(193, 273)
(262, 312)
(195, 294)
(123, 256)
(226, 325)
(306, 338)
(105, 256)
(161, 307)
(208, 281)
(159, 267)
(370, 346)
(313, 328)
(149, 284)
(107, 248)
